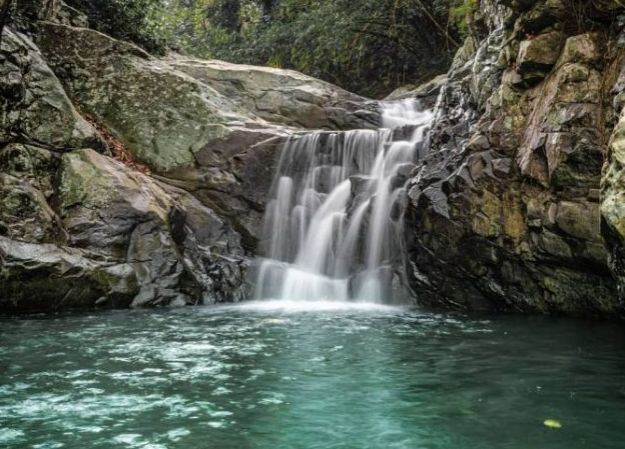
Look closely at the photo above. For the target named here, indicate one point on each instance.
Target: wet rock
(179, 249)
(164, 116)
(47, 277)
(581, 220)
(503, 213)
(426, 93)
(584, 48)
(24, 212)
(538, 55)
(32, 164)
(559, 139)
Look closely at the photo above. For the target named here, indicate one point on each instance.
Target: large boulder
(163, 116)
(283, 96)
(116, 237)
(180, 250)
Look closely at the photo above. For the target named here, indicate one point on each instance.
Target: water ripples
(280, 376)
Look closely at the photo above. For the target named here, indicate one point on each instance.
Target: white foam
(333, 228)
(294, 306)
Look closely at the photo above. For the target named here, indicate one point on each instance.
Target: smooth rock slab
(283, 96)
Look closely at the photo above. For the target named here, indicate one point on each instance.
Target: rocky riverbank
(130, 180)
(518, 207)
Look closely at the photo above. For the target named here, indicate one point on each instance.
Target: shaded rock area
(110, 236)
(81, 229)
(426, 93)
(34, 107)
(505, 214)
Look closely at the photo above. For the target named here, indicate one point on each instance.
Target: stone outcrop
(79, 228)
(505, 210)
(283, 96)
(34, 108)
(164, 116)
(426, 93)
(115, 238)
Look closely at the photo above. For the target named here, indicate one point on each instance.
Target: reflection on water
(274, 376)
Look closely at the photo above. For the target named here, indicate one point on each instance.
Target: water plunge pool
(278, 375)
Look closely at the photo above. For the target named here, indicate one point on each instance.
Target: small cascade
(333, 228)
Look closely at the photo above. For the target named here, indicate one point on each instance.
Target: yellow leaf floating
(553, 423)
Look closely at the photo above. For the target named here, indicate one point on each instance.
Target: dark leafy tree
(369, 46)
(133, 20)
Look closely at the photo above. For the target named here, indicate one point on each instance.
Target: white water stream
(333, 228)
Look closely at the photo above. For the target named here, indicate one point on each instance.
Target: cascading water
(333, 228)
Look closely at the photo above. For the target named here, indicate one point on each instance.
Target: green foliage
(368, 46)
(459, 14)
(139, 21)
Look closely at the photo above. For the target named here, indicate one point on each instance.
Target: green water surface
(267, 377)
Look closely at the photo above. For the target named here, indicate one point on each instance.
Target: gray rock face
(613, 189)
(283, 96)
(120, 238)
(426, 93)
(33, 105)
(164, 116)
(43, 277)
(537, 56)
(177, 244)
(505, 213)
(80, 229)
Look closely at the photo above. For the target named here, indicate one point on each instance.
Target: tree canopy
(367, 46)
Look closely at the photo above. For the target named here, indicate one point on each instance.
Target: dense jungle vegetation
(367, 46)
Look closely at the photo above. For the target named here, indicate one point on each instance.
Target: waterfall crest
(333, 227)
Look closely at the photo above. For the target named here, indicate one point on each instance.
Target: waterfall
(333, 227)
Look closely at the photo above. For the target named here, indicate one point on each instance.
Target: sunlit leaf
(552, 423)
